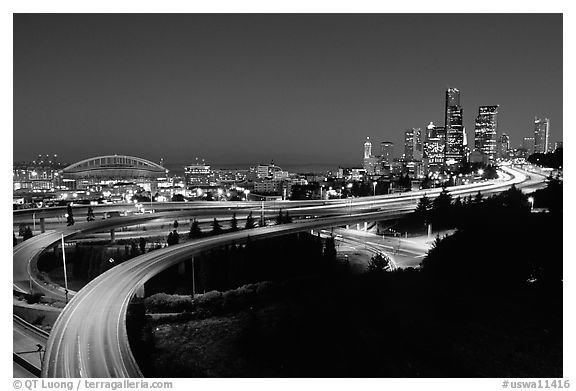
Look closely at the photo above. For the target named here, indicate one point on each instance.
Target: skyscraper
(369, 162)
(434, 147)
(409, 144)
(503, 146)
(387, 151)
(541, 135)
(454, 151)
(367, 148)
(485, 131)
(413, 144)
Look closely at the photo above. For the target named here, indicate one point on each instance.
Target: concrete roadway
(89, 339)
(25, 341)
(31, 248)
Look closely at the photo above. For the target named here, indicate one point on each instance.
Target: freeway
(403, 252)
(25, 254)
(89, 339)
(25, 340)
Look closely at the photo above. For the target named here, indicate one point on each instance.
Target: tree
(280, 217)
(330, 249)
(422, 210)
(90, 216)
(177, 198)
(478, 198)
(405, 182)
(442, 203)
(195, 231)
(175, 237)
(27, 233)
(170, 239)
(262, 222)
(457, 203)
(69, 216)
(175, 224)
(379, 263)
(287, 218)
(216, 228)
(133, 249)
(250, 222)
(142, 245)
(234, 223)
(513, 198)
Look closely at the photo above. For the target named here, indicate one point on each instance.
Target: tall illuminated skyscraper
(413, 144)
(485, 131)
(454, 151)
(370, 162)
(367, 148)
(541, 135)
(387, 151)
(434, 147)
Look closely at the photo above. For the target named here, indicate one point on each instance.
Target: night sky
(299, 89)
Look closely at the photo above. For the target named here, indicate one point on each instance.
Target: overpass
(92, 340)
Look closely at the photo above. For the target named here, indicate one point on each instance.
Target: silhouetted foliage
(250, 222)
(142, 245)
(216, 228)
(234, 223)
(27, 234)
(134, 249)
(14, 239)
(90, 216)
(70, 216)
(422, 211)
(550, 159)
(550, 197)
(173, 238)
(405, 182)
(280, 217)
(379, 263)
(195, 231)
(175, 225)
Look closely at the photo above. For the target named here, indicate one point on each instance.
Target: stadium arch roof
(114, 166)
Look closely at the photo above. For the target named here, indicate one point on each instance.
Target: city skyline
(240, 89)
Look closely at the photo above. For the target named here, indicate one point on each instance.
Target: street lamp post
(65, 275)
(374, 185)
(531, 201)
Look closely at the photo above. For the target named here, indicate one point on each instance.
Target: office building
(434, 145)
(367, 148)
(198, 173)
(387, 152)
(541, 135)
(504, 146)
(485, 131)
(413, 145)
(454, 150)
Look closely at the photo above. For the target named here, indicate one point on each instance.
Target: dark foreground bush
(162, 302)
